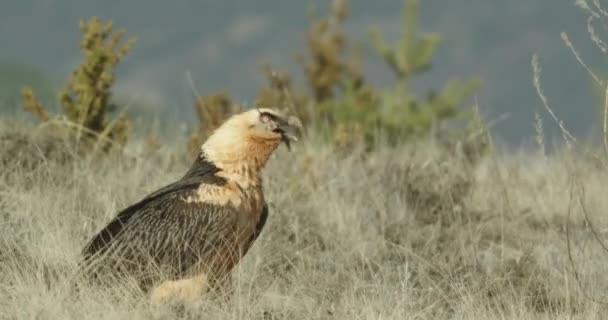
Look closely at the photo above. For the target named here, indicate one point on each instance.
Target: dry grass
(417, 232)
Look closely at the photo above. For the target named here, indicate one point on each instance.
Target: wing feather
(170, 236)
(202, 171)
(165, 232)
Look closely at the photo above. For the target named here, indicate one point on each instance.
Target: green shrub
(349, 109)
(337, 99)
(395, 110)
(86, 96)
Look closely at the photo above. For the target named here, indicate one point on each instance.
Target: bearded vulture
(184, 239)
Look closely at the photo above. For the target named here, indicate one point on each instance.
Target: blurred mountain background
(221, 43)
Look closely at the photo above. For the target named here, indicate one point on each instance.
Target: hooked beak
(290, 130)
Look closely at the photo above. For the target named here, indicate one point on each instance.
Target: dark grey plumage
(162, 235)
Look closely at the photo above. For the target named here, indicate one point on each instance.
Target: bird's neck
(243, 157)
(242, 164)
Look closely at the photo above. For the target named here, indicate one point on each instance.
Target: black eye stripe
(269, 115)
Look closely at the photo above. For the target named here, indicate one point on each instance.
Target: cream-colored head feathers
(249, 138)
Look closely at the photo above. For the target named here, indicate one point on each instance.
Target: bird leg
(187, 290)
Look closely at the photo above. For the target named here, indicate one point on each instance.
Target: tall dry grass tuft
(578, 194)
(423, 231)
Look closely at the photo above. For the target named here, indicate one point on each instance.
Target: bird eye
(264, 118)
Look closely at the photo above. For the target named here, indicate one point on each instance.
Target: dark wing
(202, 171)
(258, 228)
(165, 230)
(261, 223)
(167, 235)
